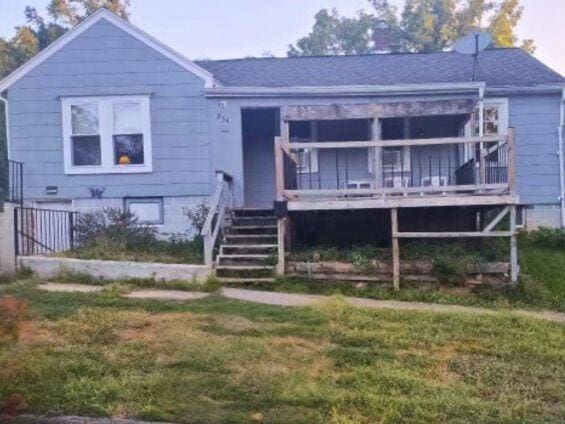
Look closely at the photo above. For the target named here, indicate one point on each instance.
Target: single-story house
(109, 116)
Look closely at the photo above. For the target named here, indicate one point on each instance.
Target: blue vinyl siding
(536, 119)
(104, 60)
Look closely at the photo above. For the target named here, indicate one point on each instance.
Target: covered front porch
(384, 155)
(392, 155)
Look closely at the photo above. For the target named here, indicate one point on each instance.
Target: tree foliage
(334, 34)
(421, 26)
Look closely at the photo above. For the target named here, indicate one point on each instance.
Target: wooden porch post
(511, 160)
(281, 230)
(395, 250)
(279, 168)
(377, 152)
(513, 247)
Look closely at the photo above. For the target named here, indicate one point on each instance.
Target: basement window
(149, 210)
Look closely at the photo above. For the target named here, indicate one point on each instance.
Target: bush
(197, 216)
(115, 227)
(450, 270)
(12, 311)
(553, 238)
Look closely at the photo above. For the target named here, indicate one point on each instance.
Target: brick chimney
(382, 37)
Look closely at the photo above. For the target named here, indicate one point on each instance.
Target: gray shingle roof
(498, 67)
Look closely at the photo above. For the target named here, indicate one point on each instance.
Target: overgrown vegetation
(541, 286)
(115, 234)
(197, 216)
(548, 238)
(216, 360)
(450, 259)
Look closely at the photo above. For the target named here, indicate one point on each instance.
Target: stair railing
(222, 200)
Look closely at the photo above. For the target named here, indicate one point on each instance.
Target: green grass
(224, 361)
(177, 251)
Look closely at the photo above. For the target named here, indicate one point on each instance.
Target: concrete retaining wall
(7, 247)
(49, 267)
(381, 271)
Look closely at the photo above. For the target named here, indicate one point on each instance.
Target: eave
(345, 91)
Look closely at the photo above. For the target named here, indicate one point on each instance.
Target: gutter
(560, 153)
(7, 123)
(530, 89)
(344, 91)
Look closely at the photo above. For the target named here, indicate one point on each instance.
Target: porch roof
(498, 68)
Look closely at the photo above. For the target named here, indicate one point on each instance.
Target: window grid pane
(84, 119)
(86, 150)
(128, 149)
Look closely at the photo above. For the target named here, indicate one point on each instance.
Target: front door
(259, 129)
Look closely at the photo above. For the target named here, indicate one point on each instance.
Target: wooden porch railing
(489, 168)
(222, 200)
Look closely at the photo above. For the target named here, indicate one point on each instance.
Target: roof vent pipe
(560, 134)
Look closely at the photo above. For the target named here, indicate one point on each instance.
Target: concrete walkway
(292, 299)
(70, 288)
(166, 295)
(286, 299)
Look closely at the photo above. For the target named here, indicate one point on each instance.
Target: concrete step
(254, 220)
(252, 212)
(250, 239)
(245, 259)
(252, 229)
(238, 249)
(234, 280)
(245, 271)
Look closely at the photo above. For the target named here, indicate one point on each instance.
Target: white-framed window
(495, 117)
(110, 134)
(307, 161)
(149, 210)
(495, 122)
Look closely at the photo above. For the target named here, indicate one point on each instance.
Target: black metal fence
(422, 166)
(12, 183)
(44, 231)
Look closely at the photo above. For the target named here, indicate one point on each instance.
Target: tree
(35, 35)
(423, 26)
(334, 34)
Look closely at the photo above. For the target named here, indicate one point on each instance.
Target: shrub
(112, 226)
(197, 216)
(553, 238)
(12, 311)
(450, 270)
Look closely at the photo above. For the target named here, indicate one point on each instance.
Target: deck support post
(279, 168)
(281, 235)
(513, 247)
(395, 250)
(377, 153)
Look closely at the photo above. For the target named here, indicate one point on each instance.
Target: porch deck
(454, 171)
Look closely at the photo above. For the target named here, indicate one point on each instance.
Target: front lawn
(218, 361)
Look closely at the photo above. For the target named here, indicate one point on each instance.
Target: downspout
(560, 153)
(7, 123)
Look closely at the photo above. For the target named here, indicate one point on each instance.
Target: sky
(221, 29)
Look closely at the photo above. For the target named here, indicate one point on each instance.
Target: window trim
(503, 121)
(158, 200)
(106, 130)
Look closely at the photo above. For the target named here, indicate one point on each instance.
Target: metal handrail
(222, 199)
(14, 192)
